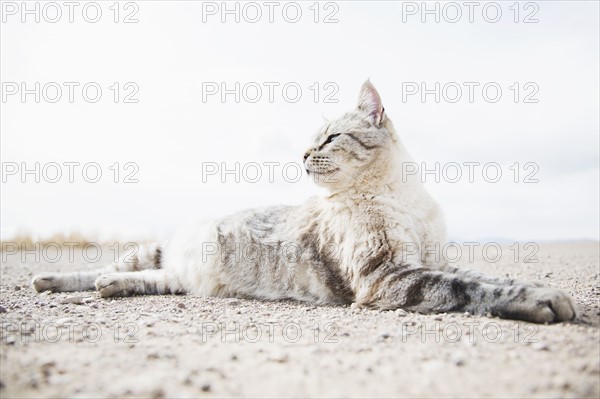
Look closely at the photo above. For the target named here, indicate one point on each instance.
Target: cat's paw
(540, 305)
(46, 282)
(556, 305)
(109, 285)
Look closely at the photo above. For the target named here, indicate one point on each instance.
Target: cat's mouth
(320, 166)
(321, 172)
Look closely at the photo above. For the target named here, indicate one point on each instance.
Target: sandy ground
(78, 345)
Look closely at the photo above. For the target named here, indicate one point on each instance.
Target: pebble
(17, 288)
(540, 346)
(46, 368)
(63, 321)
(77, 300)
(458, 359)
(2, 309)
(181, 305)
(279, 358)
(205, 388)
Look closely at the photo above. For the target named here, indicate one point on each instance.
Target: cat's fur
(343, 248)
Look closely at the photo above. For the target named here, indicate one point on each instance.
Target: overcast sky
(543, 124)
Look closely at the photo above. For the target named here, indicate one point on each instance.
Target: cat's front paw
(109, 285)
(46, 282)
(539, 305)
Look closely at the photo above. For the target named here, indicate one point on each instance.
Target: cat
(346, 247)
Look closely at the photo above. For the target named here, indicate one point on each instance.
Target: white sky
(170, 132)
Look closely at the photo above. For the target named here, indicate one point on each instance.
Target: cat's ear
(370, 102)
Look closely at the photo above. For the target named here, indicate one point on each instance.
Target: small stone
(17, 288)
(458, 360)
(540, 346)
(181, 305)
(46, 368)
(150, 323)
(279, 358)
(77, 300)
(63, 321)
(205, 388)
(2, 309)
(87, 300)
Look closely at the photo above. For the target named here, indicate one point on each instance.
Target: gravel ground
(78, 345)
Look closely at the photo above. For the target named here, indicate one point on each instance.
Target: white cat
(343, 248)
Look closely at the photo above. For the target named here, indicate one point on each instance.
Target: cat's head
(356, 150)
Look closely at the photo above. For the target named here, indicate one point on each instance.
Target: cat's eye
(331, 138)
